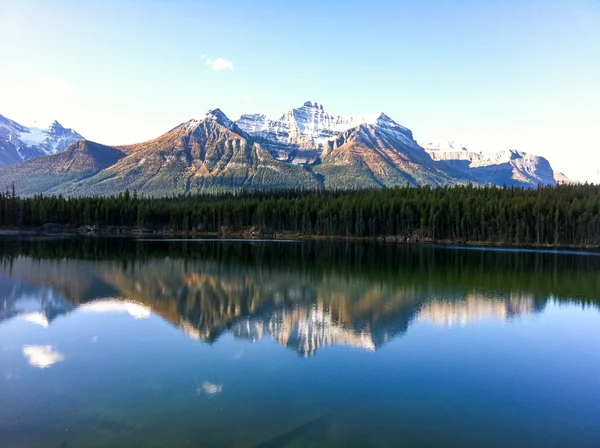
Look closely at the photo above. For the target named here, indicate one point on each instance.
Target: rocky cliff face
(378, 155)
(308, 126)
(307, 130)
(508, 167)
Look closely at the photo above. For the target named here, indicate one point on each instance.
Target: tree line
(564, 215)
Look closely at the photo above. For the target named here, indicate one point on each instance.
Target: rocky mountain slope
(305, 148)
(562, 178)
(301, 134)
(510, 167)
(209, 154)
(60, 172)
(382, 154)
(19, 143)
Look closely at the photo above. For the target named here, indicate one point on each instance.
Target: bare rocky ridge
(305, 148)
(510, 167)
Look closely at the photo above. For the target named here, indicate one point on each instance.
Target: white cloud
(42, 356)
(219, 64)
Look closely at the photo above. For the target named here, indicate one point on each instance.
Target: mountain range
(19, 143)
(305, 148)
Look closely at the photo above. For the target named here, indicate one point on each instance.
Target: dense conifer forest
(566, 215)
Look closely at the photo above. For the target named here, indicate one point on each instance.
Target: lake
(149, 343)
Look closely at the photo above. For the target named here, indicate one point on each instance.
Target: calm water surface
(121, 343)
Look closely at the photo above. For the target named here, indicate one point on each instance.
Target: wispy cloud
(218, 64)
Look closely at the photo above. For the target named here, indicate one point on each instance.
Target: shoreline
(124, 232)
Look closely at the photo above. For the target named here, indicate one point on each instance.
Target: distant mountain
(562, 178)
(19, 143)
(60, 172)
(510, 167)
(305, 148)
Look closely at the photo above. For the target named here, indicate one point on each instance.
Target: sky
(491, 75)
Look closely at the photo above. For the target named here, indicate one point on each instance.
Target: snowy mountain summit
(18, 142)
(311, 128)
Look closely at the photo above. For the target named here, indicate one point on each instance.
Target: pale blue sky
(490, 74)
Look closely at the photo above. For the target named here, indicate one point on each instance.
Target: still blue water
(300, 344)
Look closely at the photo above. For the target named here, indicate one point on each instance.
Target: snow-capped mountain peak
(218, 116)
(213, 115)
(311, 126)
(55, 126)
(18, 142)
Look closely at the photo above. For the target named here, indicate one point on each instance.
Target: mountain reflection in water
(299, 294)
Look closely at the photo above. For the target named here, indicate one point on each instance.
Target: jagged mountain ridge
(19, 143)
(379, 156)
(307, 129)
(209, 154)
(509, 167)
(305, 148)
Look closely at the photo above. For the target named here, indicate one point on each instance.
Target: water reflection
(116, 305)
(476, 307)
(210, 389)
(42, 356)
(221, 292)
(154, 344)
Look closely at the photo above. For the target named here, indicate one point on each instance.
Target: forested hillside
(566, 215)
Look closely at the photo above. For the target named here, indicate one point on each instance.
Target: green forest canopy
(565, 215)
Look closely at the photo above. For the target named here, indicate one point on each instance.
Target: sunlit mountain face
(291, 292)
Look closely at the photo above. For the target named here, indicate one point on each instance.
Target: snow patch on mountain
(213, 115)
(311, 127)
(494, 167)
(33, 136)
(20, 142)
